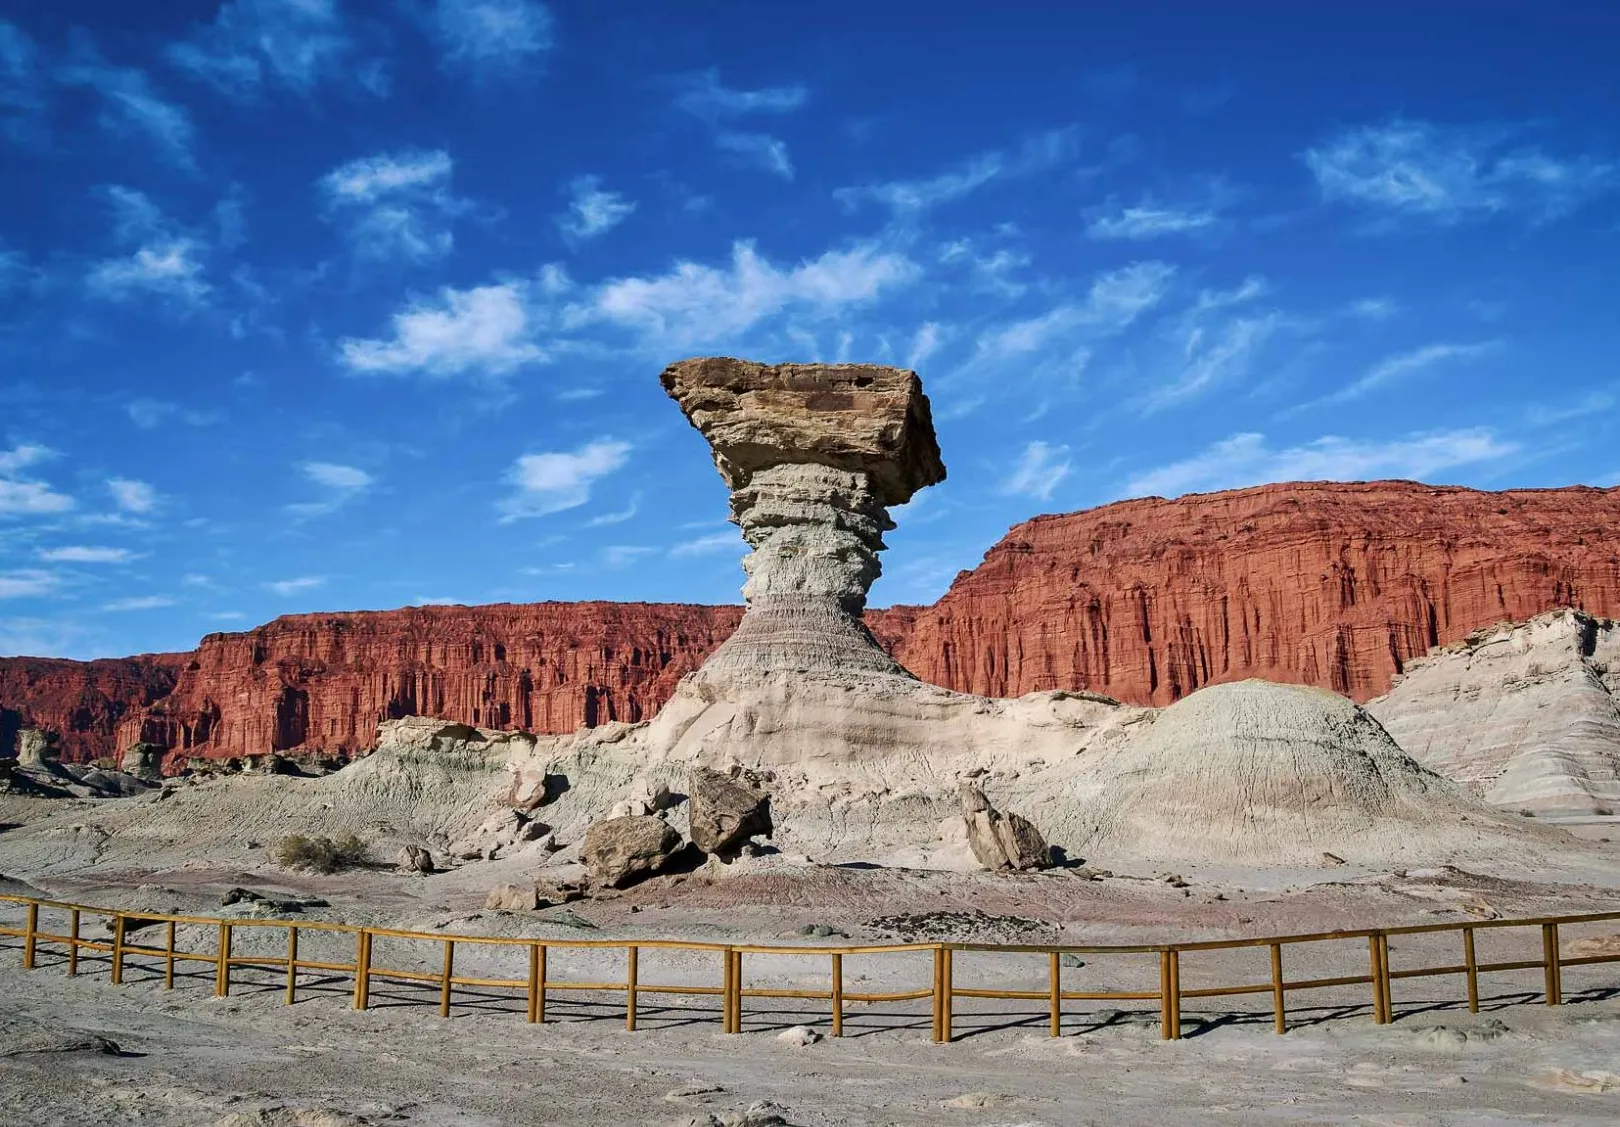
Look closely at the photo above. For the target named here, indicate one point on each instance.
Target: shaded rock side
(621, 851)
(725, 813)
(1527, 715)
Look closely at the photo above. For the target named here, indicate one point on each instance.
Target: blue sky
(320, 304)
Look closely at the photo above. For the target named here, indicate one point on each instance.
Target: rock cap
(856, 417)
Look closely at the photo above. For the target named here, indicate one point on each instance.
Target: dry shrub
(321, 854)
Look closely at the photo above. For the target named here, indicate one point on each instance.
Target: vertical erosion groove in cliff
(1331, 585)
(814, 455)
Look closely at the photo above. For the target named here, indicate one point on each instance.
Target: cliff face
(323, 682)
(82, 701)
(1332, 585)
(1318, 584)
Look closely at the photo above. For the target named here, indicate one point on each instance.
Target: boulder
(36, 750)
(413, 859)
(144, 761)
(513, 898)
(724, 812)
(620, 851)
(532, 788)
(1002, 841)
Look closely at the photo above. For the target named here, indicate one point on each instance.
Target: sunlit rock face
(814, 455)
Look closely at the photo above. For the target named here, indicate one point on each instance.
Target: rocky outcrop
(620, 851)
(1340, 586)
(724, 813)
(814, 454)
(1002, 842)
(1526, 714)
(414, 859)
(1323, 584)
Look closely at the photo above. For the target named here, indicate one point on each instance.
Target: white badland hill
(1526, 715)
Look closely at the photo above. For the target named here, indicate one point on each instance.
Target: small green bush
(321, 854)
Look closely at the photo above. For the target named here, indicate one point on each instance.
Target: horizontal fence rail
(129, 939)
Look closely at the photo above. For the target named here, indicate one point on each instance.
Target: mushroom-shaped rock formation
(814, 455)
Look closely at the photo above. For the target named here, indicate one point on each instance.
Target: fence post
(118, 950)
(73, 947)
(725, 991)
(939, 993)
(1471, 964)
(945, 1026)
(1379, 1017)
(444, 977)
(292, 963)
(1554, 971)
(837, 994)
(630, 990)
(222, 963)
(1164, 993)
(736, 991)
(362, 969)
(537, 983)
(1055, 975)
(1277, 1002)
(28, 936)
(1384, 979)
(1175, 994)
(168, 957)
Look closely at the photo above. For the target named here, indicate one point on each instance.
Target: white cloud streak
(1396, 368)
(484, 331)
(592, 210)
(85, 554)
(26, 496)
(394, 206)
(133, 496)
(485, 35)
(254, 44)
(1247, 459)
(1040, 469)
(551, 482)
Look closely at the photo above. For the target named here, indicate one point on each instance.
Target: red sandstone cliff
(1320, 584)
(1332, 585)
(84, 702)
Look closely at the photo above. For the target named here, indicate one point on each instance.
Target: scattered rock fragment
(1002, 841)
(413, 859)
(799, 1035)
(1332, 859)
(619, 851)
(971, 1101)
(497, 834)
(725, 813)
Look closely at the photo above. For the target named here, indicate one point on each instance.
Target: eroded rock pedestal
(814, 455)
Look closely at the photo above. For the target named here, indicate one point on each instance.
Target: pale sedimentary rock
(144, 761)
(1527, 714)
(814, 455)
(36, 750)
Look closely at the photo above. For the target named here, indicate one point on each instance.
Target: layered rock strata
(1526, 714)
(814, 454)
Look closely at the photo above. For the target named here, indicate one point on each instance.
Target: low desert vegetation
(321, 854)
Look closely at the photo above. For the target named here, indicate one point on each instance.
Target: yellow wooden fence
(538, 985)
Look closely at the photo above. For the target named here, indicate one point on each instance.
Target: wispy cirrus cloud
(695, 304)
(724, 108)
(22, 495)
(554, 481)
(493, 35)
(252, 45)
(130, 106)
(1114, 300)
(28, 583)
(712, 544)
(339, 484)
(1394, 369)
(1041, 468)
(485, 331)
(1449, 174)
(1148, 220)
(87, 554)
(296, 586)
(139, 602)
(1248, 459)
(149, 414)
(163, 259)
(132, 496)
(593, 210)
(1037, 154)
(394, 206)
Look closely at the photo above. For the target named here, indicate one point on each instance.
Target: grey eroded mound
(1527, 715)
(1277, 774)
